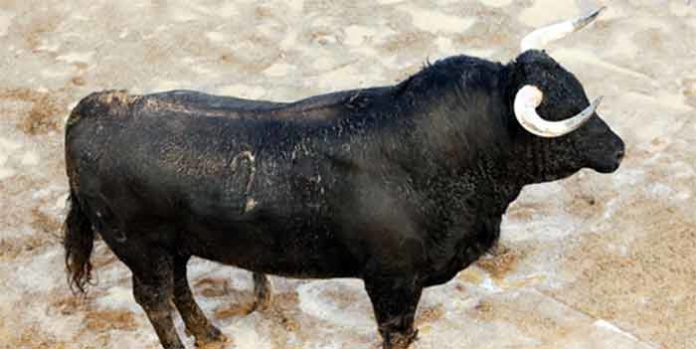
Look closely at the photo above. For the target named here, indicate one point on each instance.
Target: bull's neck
(463, 143)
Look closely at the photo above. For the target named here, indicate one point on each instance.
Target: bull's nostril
(620, 154)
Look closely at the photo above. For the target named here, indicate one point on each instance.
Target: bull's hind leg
(153, 279)
(394, 301)
(196, 323)
(153, 289)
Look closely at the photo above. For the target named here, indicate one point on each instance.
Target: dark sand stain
(429, 314)
(107, 320)
(212, 287)
(45, 113)
(502, 261)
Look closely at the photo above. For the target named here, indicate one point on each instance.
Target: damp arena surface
(594, 261)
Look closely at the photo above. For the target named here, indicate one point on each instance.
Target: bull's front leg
(394, 301)
(262, 292)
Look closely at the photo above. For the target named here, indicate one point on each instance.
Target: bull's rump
(173, 177)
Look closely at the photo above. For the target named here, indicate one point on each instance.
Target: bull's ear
(519, 70)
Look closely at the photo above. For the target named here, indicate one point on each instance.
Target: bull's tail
(78, 241)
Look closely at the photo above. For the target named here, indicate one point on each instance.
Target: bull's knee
(152, 294)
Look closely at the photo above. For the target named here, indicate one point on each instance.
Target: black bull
(402, 186)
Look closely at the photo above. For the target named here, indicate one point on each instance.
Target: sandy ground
(594, 261)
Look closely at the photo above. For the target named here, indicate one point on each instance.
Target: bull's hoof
(264, 302)
(213, 339)
(260, 305)
(400, 340)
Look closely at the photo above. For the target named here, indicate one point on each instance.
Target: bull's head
(568, 122)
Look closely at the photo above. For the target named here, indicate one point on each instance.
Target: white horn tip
(589, 18)
(599, 10)
(597, 102)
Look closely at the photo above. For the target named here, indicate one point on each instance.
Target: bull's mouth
(608, 165)
(607, 168)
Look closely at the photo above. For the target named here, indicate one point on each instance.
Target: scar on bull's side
(250, 203)
(262, 285)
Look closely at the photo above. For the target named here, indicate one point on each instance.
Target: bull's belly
(285, 252)
(280, 265)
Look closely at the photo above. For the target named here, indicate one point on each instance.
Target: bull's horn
(542, 36)
(529, 97)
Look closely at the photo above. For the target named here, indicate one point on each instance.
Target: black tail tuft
(78, 240)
